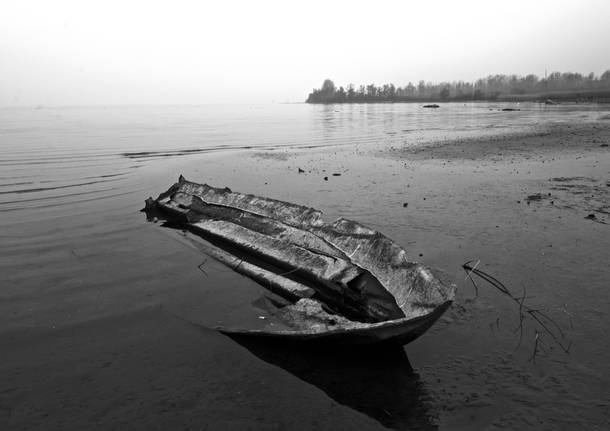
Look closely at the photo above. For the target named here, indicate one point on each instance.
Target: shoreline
(593, 97)
(544, 139)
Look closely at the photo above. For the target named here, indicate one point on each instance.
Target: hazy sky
(172, 52)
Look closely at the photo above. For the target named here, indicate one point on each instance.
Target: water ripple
(42, 189)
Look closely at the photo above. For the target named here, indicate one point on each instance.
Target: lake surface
(75, 250)
(53, 158)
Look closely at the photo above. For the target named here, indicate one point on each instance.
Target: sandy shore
(103, 327)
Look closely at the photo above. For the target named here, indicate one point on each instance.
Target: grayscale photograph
(304, 215)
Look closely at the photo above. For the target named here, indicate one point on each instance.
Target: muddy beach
(106, 320)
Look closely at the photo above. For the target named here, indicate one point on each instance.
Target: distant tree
(488, 88)
(530, 82)
(328, 87)
(341, 95)
(421, 88)
(371, 91)
(554, 80)
(326, 94)
(410, 89)
(384, 91)
(351, 93)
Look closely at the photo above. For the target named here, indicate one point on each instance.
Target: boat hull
(396, 332)
(342, 281)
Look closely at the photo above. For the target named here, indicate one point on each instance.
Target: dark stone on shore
(603, 145)
(336, 174)
(510, 109)
(591, 217)
(406, 204)
(301, 171)
(325, 178)
(434, 105)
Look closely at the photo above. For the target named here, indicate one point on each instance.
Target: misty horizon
(586, 81)
(141, 53)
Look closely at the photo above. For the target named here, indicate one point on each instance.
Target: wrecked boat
(338, 281)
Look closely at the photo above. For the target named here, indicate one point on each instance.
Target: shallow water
(55, 158)
(76, 249)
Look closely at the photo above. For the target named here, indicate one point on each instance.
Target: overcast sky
(174, 52)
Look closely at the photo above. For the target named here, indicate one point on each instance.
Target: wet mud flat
(105, 318)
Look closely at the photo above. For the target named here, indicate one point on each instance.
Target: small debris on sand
(568, 179)
(301, 171)
(434, 105)
(336, 174)
(406, 204)
(325, 178)
(591, 217)
(534, 197)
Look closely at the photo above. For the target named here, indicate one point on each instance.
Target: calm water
(75, 249)
(55, 158)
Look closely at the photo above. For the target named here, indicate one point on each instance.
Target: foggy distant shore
(556, 87)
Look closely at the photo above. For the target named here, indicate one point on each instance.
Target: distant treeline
(494, 87)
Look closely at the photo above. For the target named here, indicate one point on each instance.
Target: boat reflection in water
(377, 381)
